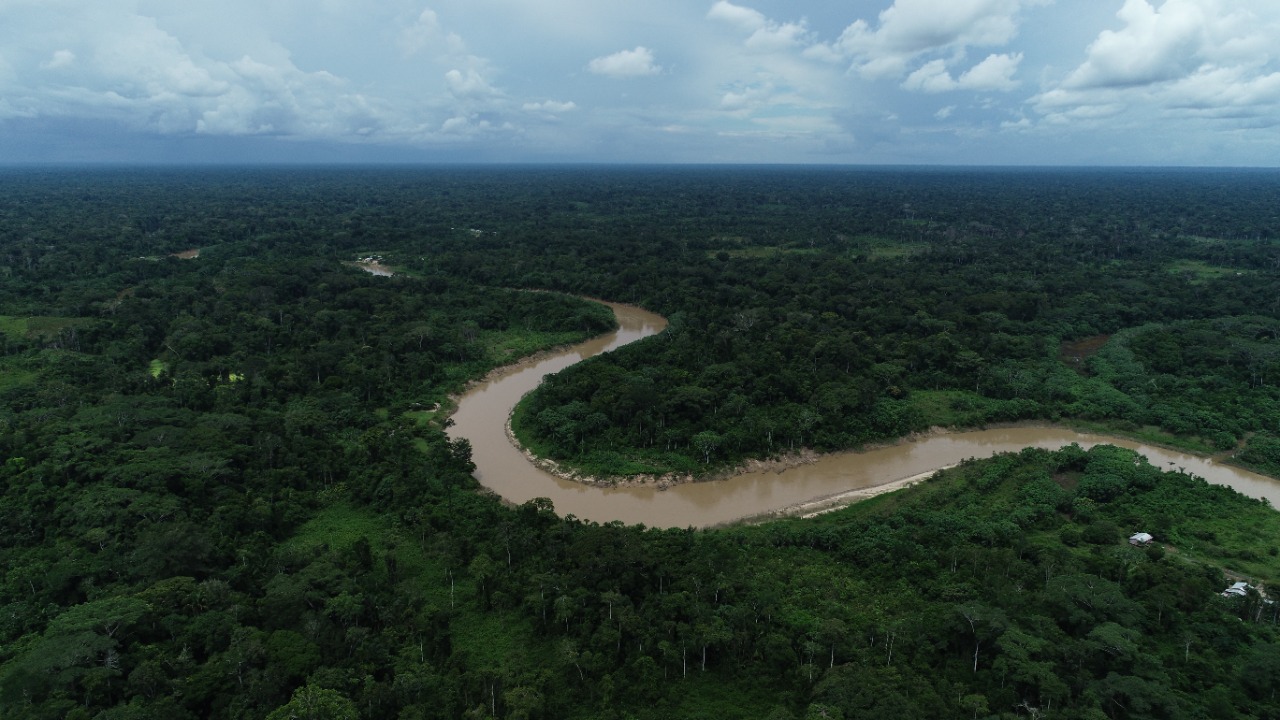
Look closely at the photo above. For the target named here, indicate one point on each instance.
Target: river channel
(483, 411)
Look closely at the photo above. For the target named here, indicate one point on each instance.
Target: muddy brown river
(483, 411)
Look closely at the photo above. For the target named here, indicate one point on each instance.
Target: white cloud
(59, 59)
(911, 28)
(419, 35)
(766, 35)
(469, 85)
(744, 17)
(776, 38)
(944, 113)
(993, 73)
(1187, 58)
(931, 77)
(268, 99)
(1153, 46)
(626, 64)
(425, 33)
(456, 125)
(747, 98)
(549, 106)
(1225, 91)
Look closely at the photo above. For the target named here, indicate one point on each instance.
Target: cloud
(112, 65)
(743, 17)
(911, 28)
(1153, 46)
(747, 98)
(549, 106)
(425, 33)
(1187, 58)
(1225, 91)
(59, 59)
(469, 85)
(992, 74)
(765, 35)
(263, 99)
(400, 73)
(626, 64)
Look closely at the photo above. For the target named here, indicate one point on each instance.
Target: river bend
(483, 411)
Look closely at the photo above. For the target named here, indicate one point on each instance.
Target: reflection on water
(483, 411)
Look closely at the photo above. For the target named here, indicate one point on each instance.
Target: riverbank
(836, 501)
(777, 464)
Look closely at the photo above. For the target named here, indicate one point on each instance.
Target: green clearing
(949, 407)
(15, 327)
(497, 639)
(13, 375)
(757, 252)
(340, 526)
(1200, 271)
(422, 418)
(504, 346)
(880, 248)
(37, 326)
(1223, 242)
(1148, 434)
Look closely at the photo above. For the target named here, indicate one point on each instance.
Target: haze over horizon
(938, 82)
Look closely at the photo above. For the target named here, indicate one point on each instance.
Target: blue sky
(1003, 82)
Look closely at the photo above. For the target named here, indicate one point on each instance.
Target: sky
(939, 82)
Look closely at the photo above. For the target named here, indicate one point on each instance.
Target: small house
(1239, 589)
(1141, 539)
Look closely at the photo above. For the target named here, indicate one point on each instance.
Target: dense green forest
(227, 491)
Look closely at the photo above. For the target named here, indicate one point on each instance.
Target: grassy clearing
(505, 346)
(757, 252)
(421, 418)
(1200, 271)
(1224, 242)
(1149, 434)
(1244, 543)
(498, 639)
(338, 526)
(37, 326)
(949, 407)
(13, 375)
(14, 327)
(878, 248)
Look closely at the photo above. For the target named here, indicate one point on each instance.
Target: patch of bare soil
(1075, 353)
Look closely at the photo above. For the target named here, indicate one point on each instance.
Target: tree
(707, 442)
(315, 703)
